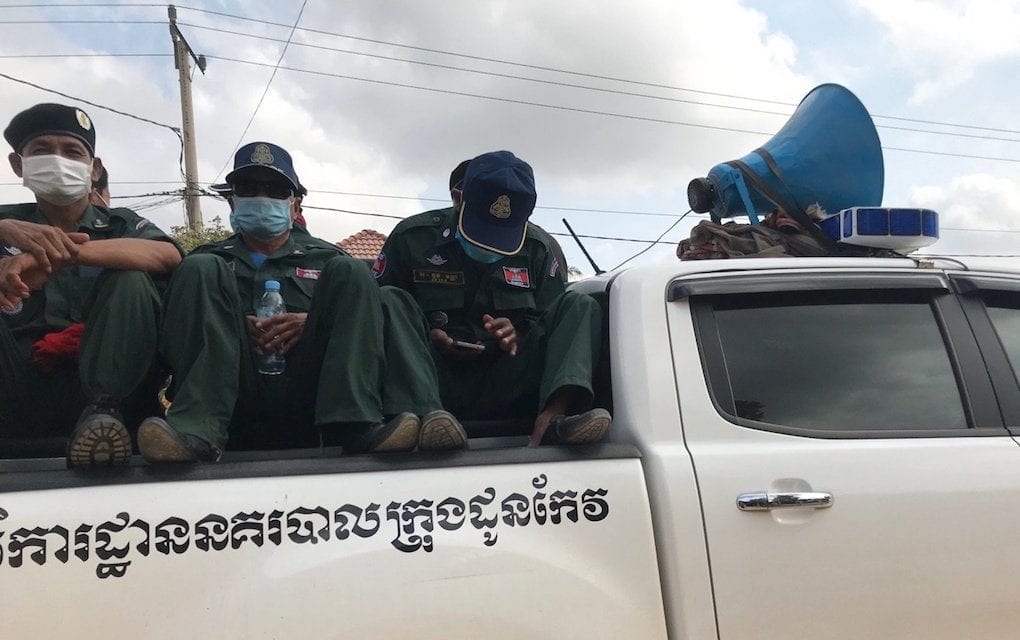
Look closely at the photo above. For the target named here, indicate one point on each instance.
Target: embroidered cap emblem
(262, 155)
(501, 207)
(83, 119)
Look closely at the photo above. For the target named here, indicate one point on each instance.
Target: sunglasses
(275, 190)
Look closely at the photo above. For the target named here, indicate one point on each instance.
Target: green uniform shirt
(423, 256)
(296, 266)
(62, 300)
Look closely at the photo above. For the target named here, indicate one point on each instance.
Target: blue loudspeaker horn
(828, 153)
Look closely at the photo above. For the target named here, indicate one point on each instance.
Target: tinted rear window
(836, 362)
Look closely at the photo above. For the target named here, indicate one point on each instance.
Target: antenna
(598, 271)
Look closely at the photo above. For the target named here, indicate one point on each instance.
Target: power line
(652, 243)
(107, 21)
(176, 130)
(266, 90)
(655, 242)
(577, 109)
(38, 5)
(575, 86)
(86, 55)
(357, 213)
(969, 255)
(552, 208)
(384, 215)
(571, 72)
(18, 184)
(479, 58)
(475, 95)
(94, 104)
(979, 230)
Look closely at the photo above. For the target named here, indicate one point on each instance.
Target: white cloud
(363, 137)
(945, 43)
(971, 209)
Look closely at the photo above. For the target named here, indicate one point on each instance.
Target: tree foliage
(190, 238)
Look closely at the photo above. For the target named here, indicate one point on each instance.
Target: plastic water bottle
(271, 363)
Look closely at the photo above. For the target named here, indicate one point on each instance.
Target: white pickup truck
(802, 448)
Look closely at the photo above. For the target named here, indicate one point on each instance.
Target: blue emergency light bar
(903, 230)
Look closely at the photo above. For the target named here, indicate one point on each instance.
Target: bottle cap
(272, 285)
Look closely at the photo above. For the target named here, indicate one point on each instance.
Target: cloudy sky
(617, 105)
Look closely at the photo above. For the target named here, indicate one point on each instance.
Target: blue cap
(268, 155)
(498, 198)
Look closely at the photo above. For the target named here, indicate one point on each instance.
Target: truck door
(856, 477)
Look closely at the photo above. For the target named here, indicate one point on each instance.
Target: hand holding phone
(460, 344)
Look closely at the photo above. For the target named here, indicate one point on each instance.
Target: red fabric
(57, 348)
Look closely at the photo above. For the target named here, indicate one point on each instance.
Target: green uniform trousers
(560, 350)
(117, 359)
(410, 381)
(335, 373)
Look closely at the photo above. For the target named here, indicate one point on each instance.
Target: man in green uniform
(331, 389)
(507, 339)
(70, 269)
(100, 194)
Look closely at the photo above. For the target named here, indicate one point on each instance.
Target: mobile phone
(468, 345)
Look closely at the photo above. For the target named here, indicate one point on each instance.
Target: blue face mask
(260, 217)
(477, 253)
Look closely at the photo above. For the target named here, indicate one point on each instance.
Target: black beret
(49, 118)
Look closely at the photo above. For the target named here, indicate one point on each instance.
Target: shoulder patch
(379, 266)
(142, 223)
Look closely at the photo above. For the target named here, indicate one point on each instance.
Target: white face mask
(56, 179)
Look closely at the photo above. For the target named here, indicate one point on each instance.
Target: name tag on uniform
(310, 274)
(428, 276)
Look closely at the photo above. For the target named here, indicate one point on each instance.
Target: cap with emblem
(499, 196)
(268, 155)
(50, 119)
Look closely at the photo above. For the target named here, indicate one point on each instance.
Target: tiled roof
(364, 244)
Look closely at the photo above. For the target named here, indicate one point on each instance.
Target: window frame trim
(1005, 379)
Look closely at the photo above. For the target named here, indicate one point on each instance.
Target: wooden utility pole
(182, 51)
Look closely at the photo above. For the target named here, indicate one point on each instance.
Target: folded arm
(130, 254)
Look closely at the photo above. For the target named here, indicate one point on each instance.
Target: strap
(793, 207)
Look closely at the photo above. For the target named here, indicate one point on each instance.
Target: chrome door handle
(761, 501)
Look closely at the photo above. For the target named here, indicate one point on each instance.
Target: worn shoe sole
(402, 436)
(585, 428)
(158, 442)
(100, 441)
(440, 431)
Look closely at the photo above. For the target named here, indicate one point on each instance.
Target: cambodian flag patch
(517, 277)
(309, 274)
(379, 265)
